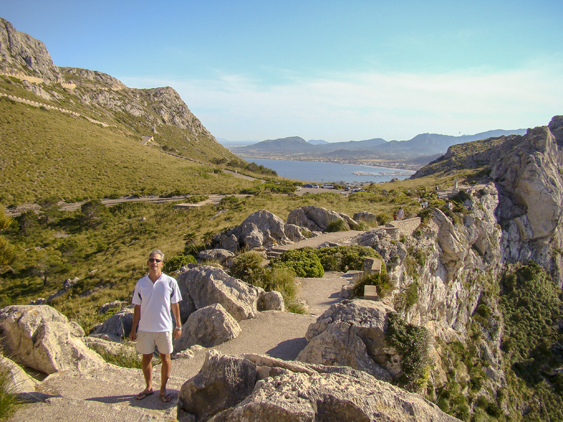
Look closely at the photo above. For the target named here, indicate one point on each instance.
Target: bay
(322, 172)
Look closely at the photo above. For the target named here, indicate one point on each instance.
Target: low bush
(412, 342)
(337, 226)
(304, 262)
(248, 268)
(177, 262)
(345, 258)
(382, 281)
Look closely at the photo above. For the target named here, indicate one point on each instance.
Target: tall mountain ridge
(418, 151)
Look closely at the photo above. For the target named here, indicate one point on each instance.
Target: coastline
(395, 165)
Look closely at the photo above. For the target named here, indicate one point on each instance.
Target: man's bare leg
(147, 372)
(165, 374)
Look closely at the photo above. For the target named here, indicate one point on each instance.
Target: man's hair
(157, 252)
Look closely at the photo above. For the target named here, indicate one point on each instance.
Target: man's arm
(175, 307)
(136, 317)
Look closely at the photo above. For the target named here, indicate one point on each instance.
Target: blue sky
(333, 70)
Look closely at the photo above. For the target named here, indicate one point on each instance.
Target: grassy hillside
(105, 247)
(47, 152)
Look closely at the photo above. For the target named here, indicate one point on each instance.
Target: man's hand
(133, 335)
(177, 333)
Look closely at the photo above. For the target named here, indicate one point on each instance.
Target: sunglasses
(155, 260)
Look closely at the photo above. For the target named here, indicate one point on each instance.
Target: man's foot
(144, 394)
(165, 397)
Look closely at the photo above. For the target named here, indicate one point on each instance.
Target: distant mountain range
(415, 152)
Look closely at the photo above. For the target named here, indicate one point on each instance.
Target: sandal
(144, 394)
(165, 397)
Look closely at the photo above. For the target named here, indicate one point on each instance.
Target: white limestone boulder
(207, 285)
(261, 388)
(353, 333)
(317, 218)
(43, 339)
(207, 327)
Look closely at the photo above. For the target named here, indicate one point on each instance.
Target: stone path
(315, 242)
(107, 394)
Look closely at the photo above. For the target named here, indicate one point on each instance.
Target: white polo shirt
(155, 299)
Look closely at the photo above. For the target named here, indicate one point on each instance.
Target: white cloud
(366, 105)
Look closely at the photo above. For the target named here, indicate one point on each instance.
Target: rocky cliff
(526, 171)
(475, 265)
(22, 53)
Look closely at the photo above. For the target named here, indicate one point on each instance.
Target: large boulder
(366, 216)
(207, 285)
(261, 229)
(261, 388)
(222, 382)
(43, 339)
(271, 301)
(317, 218)
(208, 327)
(120, 324)
(220, 255)
(353, 333)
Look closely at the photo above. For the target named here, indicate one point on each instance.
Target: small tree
(93, 213)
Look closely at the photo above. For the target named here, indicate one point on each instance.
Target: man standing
(154, 296)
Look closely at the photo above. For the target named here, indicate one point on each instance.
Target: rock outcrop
(261, 229)
(21, 51)
(526, 176)
(43, 339)
(208, 327)
(206, 286)
(261, 388)
(120, 324)
(317, 219)
(353, 333)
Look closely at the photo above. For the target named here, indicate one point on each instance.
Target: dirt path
(107, 394)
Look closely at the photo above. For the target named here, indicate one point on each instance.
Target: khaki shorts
(146, 341)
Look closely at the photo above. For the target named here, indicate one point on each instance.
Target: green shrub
(177, 262)
(281, 280)
(383, 219)
(248, 268)
(345, 258)
(337, 226)
(382, 281)
(531, 304)
(304, 262)
(411, 294)
(412, 342)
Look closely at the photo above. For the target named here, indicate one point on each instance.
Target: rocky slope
(526, 171)
(22, 53)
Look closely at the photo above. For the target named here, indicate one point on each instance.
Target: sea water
(322, 172)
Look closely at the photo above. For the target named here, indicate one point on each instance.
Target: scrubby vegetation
(413, 343)
(250, 268)
(345, 258)
(304, 262)
(533, 341)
